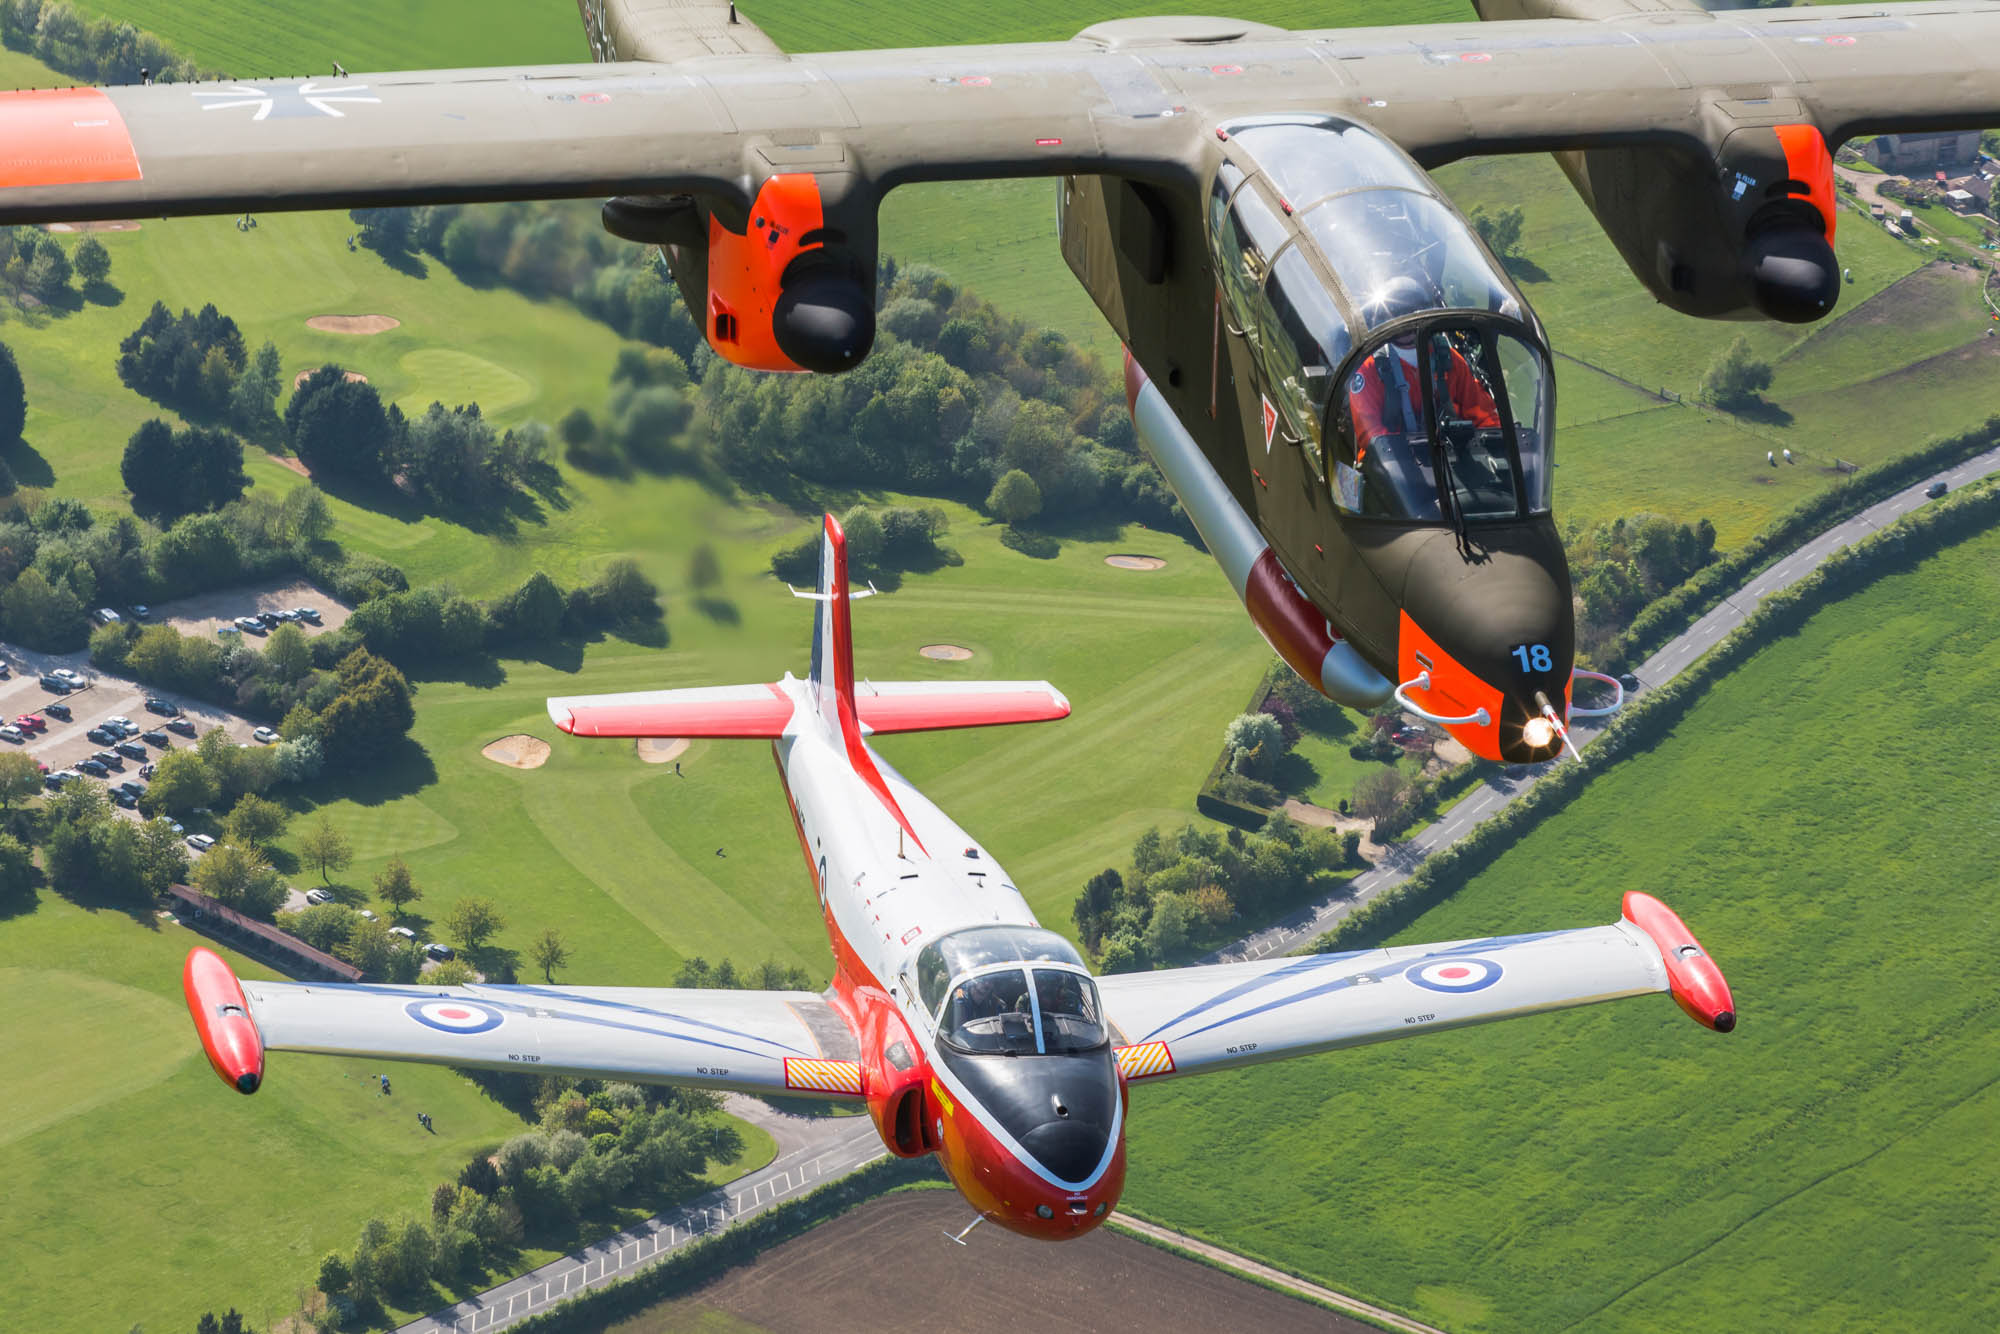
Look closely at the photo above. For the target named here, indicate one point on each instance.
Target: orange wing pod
(222, 1017)
(1696, 983)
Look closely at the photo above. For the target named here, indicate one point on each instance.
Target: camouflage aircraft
(1352, 400)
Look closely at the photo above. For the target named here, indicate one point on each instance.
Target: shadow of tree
(1523, 269)
(722, 611)
(27, 464)
(104, 294)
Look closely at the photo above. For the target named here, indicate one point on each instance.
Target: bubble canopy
(1379, 327)
(988, 997)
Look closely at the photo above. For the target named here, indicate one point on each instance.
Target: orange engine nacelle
(782, 294)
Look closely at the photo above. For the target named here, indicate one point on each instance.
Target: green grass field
(1823, 822)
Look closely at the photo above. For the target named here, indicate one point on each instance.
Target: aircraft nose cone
(1070, 1149)
(1793, 272)
(824, 322)
(1496, 626)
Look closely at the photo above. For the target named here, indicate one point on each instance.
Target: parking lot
(201, 615)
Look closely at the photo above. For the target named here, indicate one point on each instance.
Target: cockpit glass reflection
(1309, 159)
(1021, 1012)
(1398, 252)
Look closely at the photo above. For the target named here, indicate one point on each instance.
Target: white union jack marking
(288, 101)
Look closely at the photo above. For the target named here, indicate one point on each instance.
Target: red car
(31, 722)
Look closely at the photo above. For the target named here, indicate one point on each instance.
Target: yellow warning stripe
(1147, 1058)
(823, 1076)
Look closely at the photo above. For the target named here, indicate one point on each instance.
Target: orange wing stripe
(63, 136)
(823, 1076)
(1147, 1058)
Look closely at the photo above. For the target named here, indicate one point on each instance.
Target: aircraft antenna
(959, 1237)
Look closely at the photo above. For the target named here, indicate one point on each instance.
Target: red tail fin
(832, 673)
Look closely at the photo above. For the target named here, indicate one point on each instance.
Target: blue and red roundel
(455, 1016)
(1454, 975)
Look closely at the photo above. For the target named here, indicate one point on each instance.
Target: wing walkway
(812, 1151)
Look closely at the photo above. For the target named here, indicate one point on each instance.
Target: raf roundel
(1455, 975)
(454, 1016)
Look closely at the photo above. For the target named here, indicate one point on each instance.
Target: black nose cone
(1793, 272)
(1070, 1149)
(824, 322)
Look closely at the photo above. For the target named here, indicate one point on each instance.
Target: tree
(163, 857)
(93, 261)
(1255, 742)
(324, 926)
(13, 398)
(41, 614)
(20, 778)
(171, 473)
(325, 848)
(472, 922)
(394, 886)
(253, 400)
(49, 275)
(254, 821)
(334, 1275)
(451, 973)
(1379, 794)
(17, 868)
(340, 426)
(287, 654)
(1015, 498)
(368, 946)
(239, 877)
(1501, 230)
(1736, 378)
(181, 782)
(369, 715)
(549, 952)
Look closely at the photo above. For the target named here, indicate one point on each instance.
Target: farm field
(1100, 1282)
(1617, 1168)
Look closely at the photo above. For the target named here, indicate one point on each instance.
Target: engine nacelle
(776, 288)
(1744, 233)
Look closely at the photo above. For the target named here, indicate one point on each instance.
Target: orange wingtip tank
(1696, 983)
(222, 1017)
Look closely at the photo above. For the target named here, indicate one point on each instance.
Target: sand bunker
(91, 227)
(353, 377)
(945, 652)
(1135, 562)
(353, 324)
(660, 749)
(518, 751)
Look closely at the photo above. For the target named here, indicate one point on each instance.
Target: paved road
(811, 1151)
(1672, 659)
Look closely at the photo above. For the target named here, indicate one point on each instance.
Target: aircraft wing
(1181, 1021)
(705, 711)
(769, 1042)
(1115, 99)
(931, 706)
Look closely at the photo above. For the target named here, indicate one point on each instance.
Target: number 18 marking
(1534, 657)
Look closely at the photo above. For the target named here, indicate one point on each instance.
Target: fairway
(1828, 1165)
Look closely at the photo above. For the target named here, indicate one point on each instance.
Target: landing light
(1538, 733)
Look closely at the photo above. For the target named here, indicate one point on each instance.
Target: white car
(106, 616)
(9, 732)
(201, 842)
(365, 914)
(122, 723)
(319, 896)
(404, 932)
(70, 674)
(265, 735)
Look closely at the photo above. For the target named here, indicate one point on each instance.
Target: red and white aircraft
(969, 1030)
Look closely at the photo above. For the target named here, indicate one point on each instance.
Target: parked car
(319, 896)
(271, 620)
(110, 759)
(122, 723)
(181, 725)
(201, 842)
(437, 949)
(142, 612)
(102, 735)
(31, 722)
(154, 704)
(227, 630)
(57, 711)
(365, 914)
(266, 735)
(156, 738)
(136, 789)
(53, 782)
(9, 732)
(310, 615)
(120, 797)
(94, 768)
(132, 750)
(5, 671)
(250, 623)
(59, 684)
(1936, 490)
(106, 616)
(287, 616)
(1629, 682)
(69, 674)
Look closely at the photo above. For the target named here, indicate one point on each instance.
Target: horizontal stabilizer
(765, 710)
(702, 711)
(936, 706)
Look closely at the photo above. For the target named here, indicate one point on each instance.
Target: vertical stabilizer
(833, 630)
